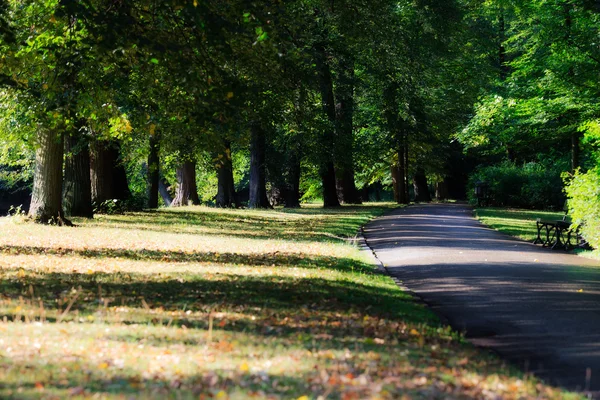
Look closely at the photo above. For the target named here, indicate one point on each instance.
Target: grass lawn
(199, 303)
(521, 223)
(515, 222)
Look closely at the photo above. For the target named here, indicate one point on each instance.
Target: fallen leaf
(244, 367)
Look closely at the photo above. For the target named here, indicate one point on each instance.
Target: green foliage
(583, 191)
(530, 185)
(117, 206)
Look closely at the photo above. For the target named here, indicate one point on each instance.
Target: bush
(117, 206)
(583, 191)
(531, 185)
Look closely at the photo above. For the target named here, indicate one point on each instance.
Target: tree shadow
(275, 259)
(312, 224)
(315, 299)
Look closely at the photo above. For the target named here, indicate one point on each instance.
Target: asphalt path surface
(538, 308)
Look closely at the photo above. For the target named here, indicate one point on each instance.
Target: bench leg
(549, 239)
(568, 244)
(539, 240)
(558, 232)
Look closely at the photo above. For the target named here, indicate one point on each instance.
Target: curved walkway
(536, 307)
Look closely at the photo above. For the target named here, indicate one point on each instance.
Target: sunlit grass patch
(203, 303)
(521, 224)
(515, 222)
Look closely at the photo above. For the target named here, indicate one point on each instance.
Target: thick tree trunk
(77, 187)
(327, 168)
(46, 200)
(258, 177)
(421, 187)
(402, 189)
(186, 185)
(327, 173)
(163, 189)
(154, 171)
(226, 196)
(396, 182)
(441, 190)
(348, 193)
(108, 176)
(344, 156)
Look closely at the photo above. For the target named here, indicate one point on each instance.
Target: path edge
(364, 247)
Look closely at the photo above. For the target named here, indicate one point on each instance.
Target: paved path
(519, 299)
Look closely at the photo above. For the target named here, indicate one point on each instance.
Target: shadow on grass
(312, 224)
(128, 383)
(312, 298)
(276, 259)
(337, 382)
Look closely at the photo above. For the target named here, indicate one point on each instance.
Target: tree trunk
(396, 182)
(402, 189)
(163, 189)
(77, 187)
(258, 178)
(154, 171)
(344, 157)
(46, 200)
(327, 168)
(108, 176)
(292, 192)
(421, 187)
(441, 190)
(186, 185)
(396, 127)
(226, 196)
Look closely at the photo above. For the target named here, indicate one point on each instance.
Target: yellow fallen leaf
(302, 398)
(221, 395)
(102, 365)
(244, 367)
(414, 332)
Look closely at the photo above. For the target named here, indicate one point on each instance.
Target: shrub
(583, 191)
(531, 185)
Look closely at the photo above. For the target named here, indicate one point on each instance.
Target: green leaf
(154, 61)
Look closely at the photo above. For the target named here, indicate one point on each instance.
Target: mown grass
(521, 223)
(515, 222)
(200, 303)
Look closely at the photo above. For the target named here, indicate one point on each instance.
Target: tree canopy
(267, 103)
